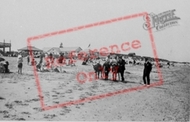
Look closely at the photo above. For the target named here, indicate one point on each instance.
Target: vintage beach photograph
(69, 60)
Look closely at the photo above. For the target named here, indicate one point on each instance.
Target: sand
(19, 98)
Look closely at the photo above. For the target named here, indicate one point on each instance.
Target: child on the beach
(20, 60)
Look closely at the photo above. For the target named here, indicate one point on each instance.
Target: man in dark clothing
(121, 64)
(106, 69)
(146, 72)
(41, 58)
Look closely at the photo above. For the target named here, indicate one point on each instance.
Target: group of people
(49, 62)
(116, 66)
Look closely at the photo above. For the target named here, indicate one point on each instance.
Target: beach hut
(54, 51)
(69, 50)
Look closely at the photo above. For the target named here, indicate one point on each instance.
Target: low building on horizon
(64, 50)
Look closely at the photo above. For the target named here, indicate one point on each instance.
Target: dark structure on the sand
(5, 45)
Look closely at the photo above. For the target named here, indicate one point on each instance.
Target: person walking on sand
(146, 72)
(19, 61)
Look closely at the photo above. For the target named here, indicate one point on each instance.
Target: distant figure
(38, 66)
(98, 69)
(106, 68)
(41, 58)
(33, 62)
(168, 63)
(51, 61)
(71, 62)
(134, 62)
(146, 72)
(114, 65)
(20, 61)
(60, 62)
(28, 59)
(2, 68)
(6, 65)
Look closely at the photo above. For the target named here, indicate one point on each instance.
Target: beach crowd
(115, 65)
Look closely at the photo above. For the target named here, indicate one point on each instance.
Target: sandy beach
(19, 98)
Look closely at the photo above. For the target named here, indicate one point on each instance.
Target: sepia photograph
(94, 60)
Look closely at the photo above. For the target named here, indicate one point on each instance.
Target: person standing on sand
(146, 72)
(28, 59)
(41, 58)
(19, 61)
(51, 60)
(106, 68)
(60, 62)
(121, 64)
(114, 64)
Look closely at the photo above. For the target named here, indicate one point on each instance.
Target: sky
(21, 19)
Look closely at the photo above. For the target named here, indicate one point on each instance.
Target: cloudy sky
(21, 19)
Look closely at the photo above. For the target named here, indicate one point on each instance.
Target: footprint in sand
(81, 104)
(38, 109)
(24, 104)
(26, 113)
(9, 105)
(80, 89)
(77, 106)
(18, 102)
(56, 102)
(89, 94)
(4, 112)
(71, 97)
(65, 110)
(20, 119)
(82, 97)
(36, 99)
(6, 116)
(49, 116)
(69, 91)
(56, 92)
(54, 96)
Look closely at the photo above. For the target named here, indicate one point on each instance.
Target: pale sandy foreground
(19, 98)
